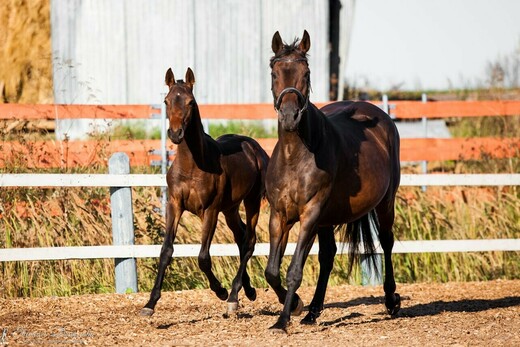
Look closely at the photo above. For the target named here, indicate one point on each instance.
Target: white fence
(149, 180)
(155, 180)
(192, 250)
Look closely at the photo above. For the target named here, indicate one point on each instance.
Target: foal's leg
(246, 244)
(386, 214)
(278, 235)
(209, 223)
(295, 272)
(173, 215)
(326, 258)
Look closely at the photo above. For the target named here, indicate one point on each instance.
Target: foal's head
(180, 104)
(290, 79)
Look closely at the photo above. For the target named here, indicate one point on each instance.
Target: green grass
(135, 130)
(254, 129)
(506, 126)
(138, 130)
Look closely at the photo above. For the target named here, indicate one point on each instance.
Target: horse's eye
(273, 76)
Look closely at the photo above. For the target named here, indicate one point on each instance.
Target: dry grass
(81, 216)
(25, 52)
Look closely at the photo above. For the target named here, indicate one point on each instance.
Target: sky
(429, 44)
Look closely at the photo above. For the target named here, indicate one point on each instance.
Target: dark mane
(286, 50)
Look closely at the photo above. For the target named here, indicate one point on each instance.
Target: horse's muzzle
(176, 135)
(290, 116)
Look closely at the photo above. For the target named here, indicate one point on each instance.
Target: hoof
(222, 294)
(146, 312)
(309, 319)
(393, 308)
(279, 327)
(298, 309)
(251, 294)
(232, 308)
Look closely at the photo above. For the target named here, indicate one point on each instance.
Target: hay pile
(25, 52)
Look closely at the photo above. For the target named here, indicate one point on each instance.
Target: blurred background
(117, 52)
(109, 52)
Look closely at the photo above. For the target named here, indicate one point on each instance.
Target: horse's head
(180, 104)
(290, 80)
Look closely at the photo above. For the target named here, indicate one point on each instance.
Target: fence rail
(125, 254)
(158, 180)
(399, 109)
(58, 154)
(261, 249)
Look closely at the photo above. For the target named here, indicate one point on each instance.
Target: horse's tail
(360, 232)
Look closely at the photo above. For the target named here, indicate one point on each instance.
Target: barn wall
(117, 52)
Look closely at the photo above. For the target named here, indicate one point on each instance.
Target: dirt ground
(452, 314)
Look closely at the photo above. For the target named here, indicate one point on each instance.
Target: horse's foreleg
(308, 229)
(386, 237)
(278, 235)
(173, 215)
(326, 258)
(295, 272)
(209, 223)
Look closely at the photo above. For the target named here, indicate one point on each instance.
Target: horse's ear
(169, 79)
(277, 43)
(305, 43)
(190, 78)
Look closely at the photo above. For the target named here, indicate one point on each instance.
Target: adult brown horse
(331, 166)
(207, 177)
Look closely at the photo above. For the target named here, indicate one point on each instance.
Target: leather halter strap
(304, 100)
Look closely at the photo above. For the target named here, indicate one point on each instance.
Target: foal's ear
(277, 43)
(169, 79)
(189, 79)
(305, 43)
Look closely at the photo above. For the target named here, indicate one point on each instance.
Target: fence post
(424, 120)
(122, 224)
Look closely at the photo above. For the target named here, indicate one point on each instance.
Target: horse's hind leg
(209, 223)
(386, 215)
(173, 215)
(252, 206)
(245, 238)
(326, 258)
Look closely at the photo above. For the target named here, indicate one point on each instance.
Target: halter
(301, 98)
